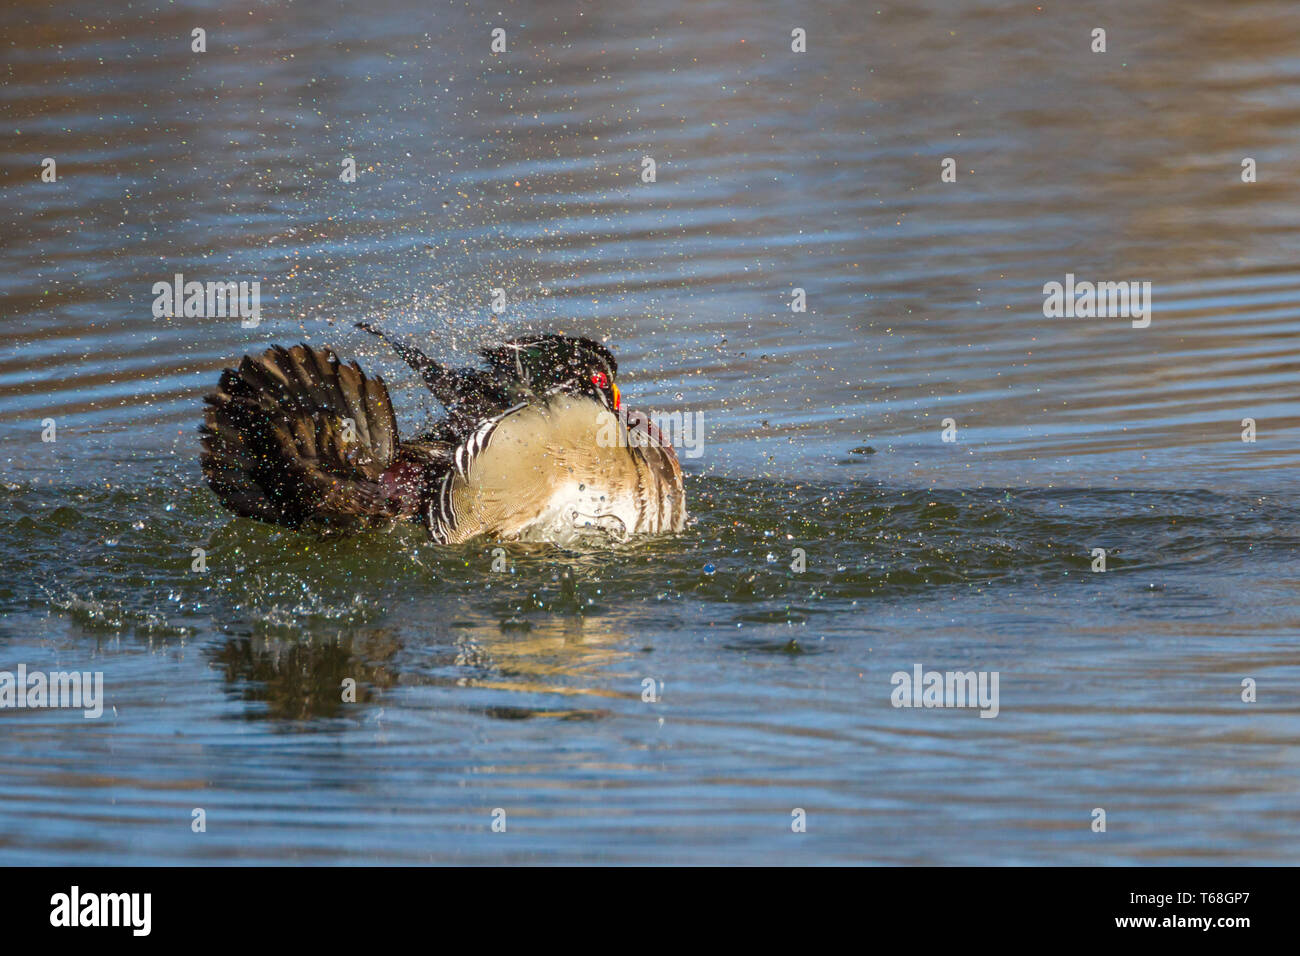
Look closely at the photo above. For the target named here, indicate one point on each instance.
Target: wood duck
(536, 446)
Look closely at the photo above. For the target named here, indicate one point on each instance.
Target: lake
(904, 458)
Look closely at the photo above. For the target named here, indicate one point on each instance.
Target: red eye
(599, 380)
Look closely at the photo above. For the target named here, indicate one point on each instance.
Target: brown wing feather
(276, 445)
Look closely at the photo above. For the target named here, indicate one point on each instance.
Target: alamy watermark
(74, 690)
(210, 300)
(1084, 300)
(681, 430)
(130, 910)
(922, 688)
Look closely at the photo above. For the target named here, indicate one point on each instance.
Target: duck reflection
(306, 677)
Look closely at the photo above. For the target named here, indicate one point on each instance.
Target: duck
(534, 445)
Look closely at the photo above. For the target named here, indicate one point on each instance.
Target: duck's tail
(295, 437)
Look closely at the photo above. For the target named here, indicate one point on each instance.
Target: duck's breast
(562, 470)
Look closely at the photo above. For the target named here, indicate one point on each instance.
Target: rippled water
(523, 689)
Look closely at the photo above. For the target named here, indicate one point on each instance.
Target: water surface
(523, 689)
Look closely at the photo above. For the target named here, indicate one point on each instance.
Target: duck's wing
(469, 395)
(295, 437)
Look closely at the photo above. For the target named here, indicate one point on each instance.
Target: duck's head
(547, 363)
